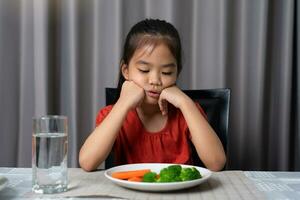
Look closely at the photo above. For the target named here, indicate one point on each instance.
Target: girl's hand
(171, 95)
(131, 94)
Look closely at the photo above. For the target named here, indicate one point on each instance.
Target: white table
(222, 185)
(277, 185)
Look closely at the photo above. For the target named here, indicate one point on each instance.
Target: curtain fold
(69, 75)
(26, 87)
(296, 92)
(279, 62)
(56, 57)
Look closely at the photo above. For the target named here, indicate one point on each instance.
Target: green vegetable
(188, 174)
(150, 177)
(172, 173)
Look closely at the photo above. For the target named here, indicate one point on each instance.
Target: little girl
(152, 120)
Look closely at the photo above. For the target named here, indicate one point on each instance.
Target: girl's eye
(143, 70)
(167, 73)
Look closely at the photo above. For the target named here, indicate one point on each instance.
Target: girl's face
(153, 69)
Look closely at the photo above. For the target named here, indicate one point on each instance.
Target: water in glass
(49, 162)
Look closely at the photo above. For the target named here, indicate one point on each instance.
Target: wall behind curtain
(56, 57)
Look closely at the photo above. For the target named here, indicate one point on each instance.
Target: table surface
(221, 185)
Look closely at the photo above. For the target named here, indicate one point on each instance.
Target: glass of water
(49, 154)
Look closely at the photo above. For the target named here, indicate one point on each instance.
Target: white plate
(155, 167)
(3, 182)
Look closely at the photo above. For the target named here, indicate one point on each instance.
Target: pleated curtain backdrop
(56, 57)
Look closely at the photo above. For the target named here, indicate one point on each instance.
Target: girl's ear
(124, 69)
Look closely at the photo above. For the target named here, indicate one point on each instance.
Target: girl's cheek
(170, 82)
(139, 82)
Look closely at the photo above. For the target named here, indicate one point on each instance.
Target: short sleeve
(102, 114)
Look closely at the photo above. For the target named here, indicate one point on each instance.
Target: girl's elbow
(218, 164)
(85, 164)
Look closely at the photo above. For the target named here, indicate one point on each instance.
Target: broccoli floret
(176, 169)
(170, 174)
(150, 177)
(173, 173)
(190, 173)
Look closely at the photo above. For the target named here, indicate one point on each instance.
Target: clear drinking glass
(49, 154)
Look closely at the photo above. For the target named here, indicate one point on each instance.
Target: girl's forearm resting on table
(204, 138)
(99, 144)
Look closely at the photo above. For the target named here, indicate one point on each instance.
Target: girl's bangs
(150, 41)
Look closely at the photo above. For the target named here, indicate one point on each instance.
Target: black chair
(215, 103)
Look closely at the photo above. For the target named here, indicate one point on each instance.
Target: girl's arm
(99, 144)
(208, 145)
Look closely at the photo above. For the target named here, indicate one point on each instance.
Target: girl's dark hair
(150, 32)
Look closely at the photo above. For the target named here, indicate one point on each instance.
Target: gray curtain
(56, 57)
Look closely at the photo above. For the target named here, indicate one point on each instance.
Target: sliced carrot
(130, 174)
(136, 179)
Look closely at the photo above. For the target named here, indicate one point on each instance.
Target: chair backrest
(215, 103)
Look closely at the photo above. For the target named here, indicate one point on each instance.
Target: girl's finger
(164, 108)
(160, 104)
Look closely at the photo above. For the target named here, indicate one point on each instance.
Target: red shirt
(134, 144)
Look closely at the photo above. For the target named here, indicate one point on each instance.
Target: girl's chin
(150, 100)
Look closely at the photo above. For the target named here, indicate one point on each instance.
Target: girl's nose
(155, 80)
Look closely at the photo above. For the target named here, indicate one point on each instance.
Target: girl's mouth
(153, 94)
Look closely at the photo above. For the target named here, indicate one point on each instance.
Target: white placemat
(222, 185)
